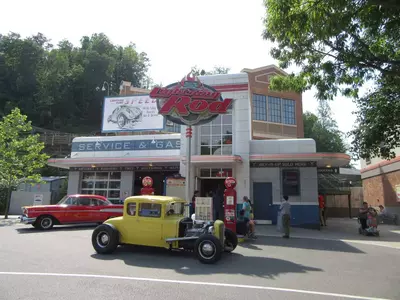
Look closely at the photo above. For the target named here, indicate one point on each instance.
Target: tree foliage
(340, 45)
(59, 87)
(20, 152)
(323, 129)
(217, 70)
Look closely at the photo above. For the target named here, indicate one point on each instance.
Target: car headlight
(211, 229)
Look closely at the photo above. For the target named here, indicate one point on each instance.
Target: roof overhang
(322, 159)
(211, 160)
(66, 163)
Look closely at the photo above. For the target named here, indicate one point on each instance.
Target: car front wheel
(208, 249)
(231, 240)
(44, 223)
(105, 239)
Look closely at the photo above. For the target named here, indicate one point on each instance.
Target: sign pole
(188, 164)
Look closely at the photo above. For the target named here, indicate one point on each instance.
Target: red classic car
(71, 209)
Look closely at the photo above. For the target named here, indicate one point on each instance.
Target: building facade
(381, 182)
(259, 142)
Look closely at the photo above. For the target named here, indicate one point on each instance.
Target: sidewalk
(345, 230)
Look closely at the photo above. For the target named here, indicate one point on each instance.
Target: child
(371, 220)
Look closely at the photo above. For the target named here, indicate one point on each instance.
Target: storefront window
(291, 182)
(215, 172)
(105, 184)
(216, 137)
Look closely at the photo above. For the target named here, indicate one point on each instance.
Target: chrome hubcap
(46, 223)
(103, 239)
(207, 249)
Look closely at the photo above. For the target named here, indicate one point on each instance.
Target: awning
(322, 159)
(66, 163)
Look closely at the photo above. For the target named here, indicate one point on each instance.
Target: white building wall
(73, 182)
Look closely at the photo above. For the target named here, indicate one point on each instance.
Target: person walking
(285, 213)
(363, 215)
(321, 203)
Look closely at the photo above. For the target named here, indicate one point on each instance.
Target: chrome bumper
(26, 220)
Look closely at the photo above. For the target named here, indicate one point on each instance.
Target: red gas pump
(147, 183)
(230, 204)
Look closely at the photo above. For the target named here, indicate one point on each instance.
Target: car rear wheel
(208, 249)
(44, 223)
(105, 239)
(121, 120)
(231, 240)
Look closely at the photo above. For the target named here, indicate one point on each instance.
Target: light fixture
(328, 166)
(153, 141)
(93, 166)
(150, 164)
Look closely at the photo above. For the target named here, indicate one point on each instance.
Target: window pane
(101, 184)
(100, 193)
(88, 192)
(87, 184)
(205, 130)
(289, 111)
(227, 129)
(114, 185)
(205, 150)
(88, 175)
(101, 175)
(216, 130)
(84, 201)
(115, 175)
(216, 150)
(259, 107)
(227, 150)
(227, 119)
(227, 172)
(274, 110)
(204, 172)
(217, 120)
(216, 172)
(205, 140)
(113, 194)
(291, 182)
(131, 209)
(150, 210)
(216, 140)
(227, 139)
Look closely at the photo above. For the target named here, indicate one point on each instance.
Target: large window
(172, 127)
(107, 184)
(291, 182)
(216, 136)
(259, 107)
(278, 110)
(274, 110)
(289, 111)
(215, 173)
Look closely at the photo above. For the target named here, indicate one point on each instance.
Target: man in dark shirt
(363, 215)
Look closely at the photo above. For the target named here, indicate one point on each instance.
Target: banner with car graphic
(131, 113)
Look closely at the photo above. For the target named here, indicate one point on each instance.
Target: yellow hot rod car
(158, 221)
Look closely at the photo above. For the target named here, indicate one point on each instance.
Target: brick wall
(382, 187)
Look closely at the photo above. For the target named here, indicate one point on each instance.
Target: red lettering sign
(190, 102)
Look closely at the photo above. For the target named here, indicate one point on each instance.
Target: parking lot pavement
(61, 264)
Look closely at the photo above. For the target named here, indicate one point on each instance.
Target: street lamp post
(104, 87)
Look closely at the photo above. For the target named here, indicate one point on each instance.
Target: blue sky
(176, 34)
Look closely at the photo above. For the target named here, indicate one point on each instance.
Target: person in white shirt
(285, 213)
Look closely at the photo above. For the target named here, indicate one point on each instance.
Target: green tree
(339, 46)
(323, 129)
(217, 70)
(20, 153)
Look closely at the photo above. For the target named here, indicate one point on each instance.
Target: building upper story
(273, 115)
(377, 165)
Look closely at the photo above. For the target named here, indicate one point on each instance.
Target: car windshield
(62, 200)
(175, 208)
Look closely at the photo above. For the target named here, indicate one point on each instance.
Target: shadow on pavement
(31, 229)
(305, 243)
(186, 262)
(8, 222)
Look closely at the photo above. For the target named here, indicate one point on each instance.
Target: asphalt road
(61, 264)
